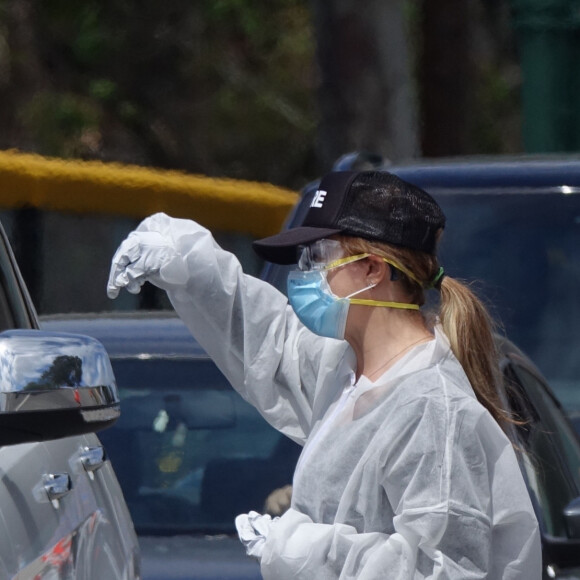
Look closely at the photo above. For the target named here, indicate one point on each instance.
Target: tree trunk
(366, 93)
(445, 76)
(22, 75)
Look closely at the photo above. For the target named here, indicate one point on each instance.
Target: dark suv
(192, 454)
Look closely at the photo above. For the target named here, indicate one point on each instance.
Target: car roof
(136, 334)
(473, 172)
(483, 172)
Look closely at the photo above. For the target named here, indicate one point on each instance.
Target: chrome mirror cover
(50, 377)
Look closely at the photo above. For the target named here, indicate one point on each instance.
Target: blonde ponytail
(469, 328)
(463, 317)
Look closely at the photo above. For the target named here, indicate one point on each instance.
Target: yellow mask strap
(349, 259)
(401, 305)
(362, 301)
(343, 261)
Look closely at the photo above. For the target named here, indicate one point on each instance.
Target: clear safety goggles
(328, 254)
(324, 255)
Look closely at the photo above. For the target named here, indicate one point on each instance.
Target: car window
(14, 309)
(522, 248)
(189, 452)
(552, 460)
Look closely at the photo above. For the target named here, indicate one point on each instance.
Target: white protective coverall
(408, 477)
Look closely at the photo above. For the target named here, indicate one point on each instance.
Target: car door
(110, 538)
(62, 519)
(27, 514)
(7, 553)
(550, 454)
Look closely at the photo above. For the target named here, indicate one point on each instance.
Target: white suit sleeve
(245, 325)
(446, 524)
(300, 549)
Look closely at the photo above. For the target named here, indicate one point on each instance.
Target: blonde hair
(463, 317)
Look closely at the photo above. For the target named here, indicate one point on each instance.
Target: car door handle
(92, 459)
(56, 485)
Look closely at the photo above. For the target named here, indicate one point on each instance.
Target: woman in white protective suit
(405, 472)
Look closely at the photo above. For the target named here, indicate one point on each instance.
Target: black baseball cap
(375, 205)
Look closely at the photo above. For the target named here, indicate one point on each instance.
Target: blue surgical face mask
(316, 306)
(319, 309)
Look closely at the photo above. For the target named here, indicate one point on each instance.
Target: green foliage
(58, 121)
(496, 127)
(262, 56)
(221, 87)
(102, 89)
(90, 43)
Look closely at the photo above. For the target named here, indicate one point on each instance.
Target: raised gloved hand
(145, 256)
(253, 529)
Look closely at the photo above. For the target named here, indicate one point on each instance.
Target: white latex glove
(142, 257)
(253, 529)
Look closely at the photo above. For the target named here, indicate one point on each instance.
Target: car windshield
(189, 452)
(524, 252)
(522, 249)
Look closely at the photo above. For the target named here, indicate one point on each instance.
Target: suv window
(522, 249)
(14, 309)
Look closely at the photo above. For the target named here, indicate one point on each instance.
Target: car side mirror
(54, 385)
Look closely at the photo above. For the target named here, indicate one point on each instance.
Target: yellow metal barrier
(250, 207)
